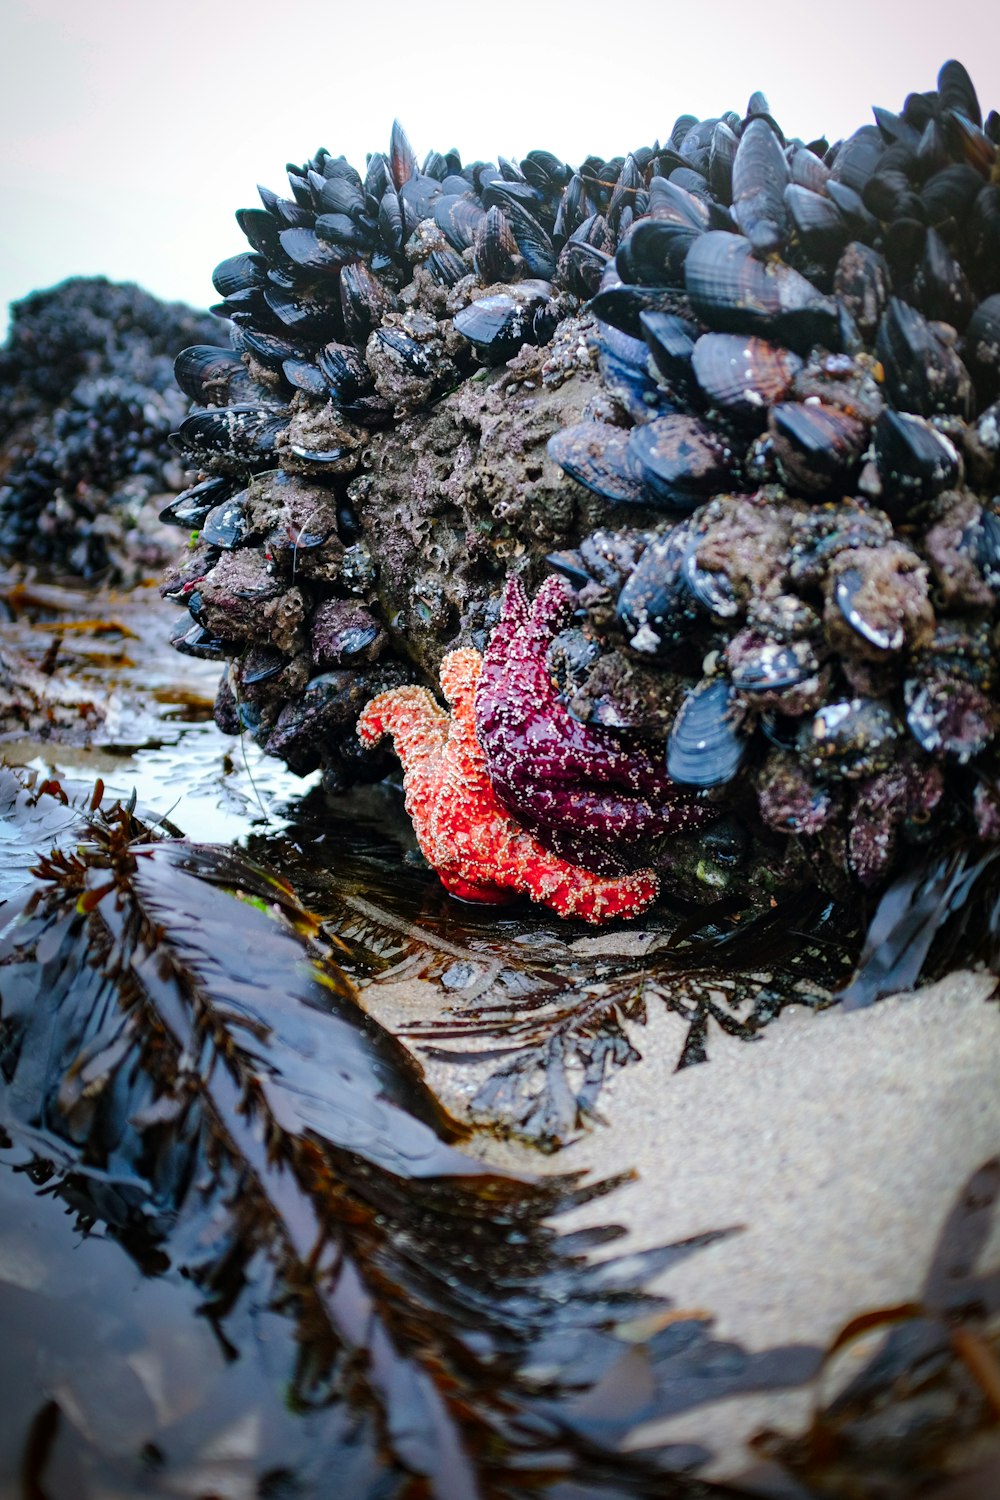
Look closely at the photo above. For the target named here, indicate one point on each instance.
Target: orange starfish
(479, 851)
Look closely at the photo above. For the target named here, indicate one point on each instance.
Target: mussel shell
(627, 196)
(269, 349)
(923, 374)
(596, 455)
(511, 194)
(949, 716)
(654, 251)
(987, 545)
(655, 605)
(623, 306)
(915, 462)
(863, 225)
(852, 738)
(364, 301)
(261, 664)
(213, 376)
(818, 446)
(191, 506)
(391, 222)
(742, 375)
(458, 216)
(306, 249)
(956, 91)
(446, 267)
(307, 317)
(246, 434)
(858, 157)
(982, 349)
(238, 272)
(344, 369)
(263, 231)
(227, 526)
(807, 170)
(304, 376)
(888, 195)
(862, 284)
(671, 340)
(967, 142)
(940, 286)
(950, 193)
(499, 325)
(581, 267)
(671, 202)
(533, 243)
(983, 237)
(736, 293)
(771, 666)
(849, 589)
(418, 196)
(341, 195)
(760, 176)
(623, 364)
(722, 154)
(819, 225)
(289, 213)
(195, 640)
(705, 747)
(681, 459)
(495, 247)
(247, 307)
(346, 234)
(402, 161)
(545, 172)
(711, 588)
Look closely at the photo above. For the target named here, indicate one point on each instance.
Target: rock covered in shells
(740, 390)
(373, 316)
(87, 404)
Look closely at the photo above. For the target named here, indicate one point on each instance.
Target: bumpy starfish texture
(478, 850)
(584, 791)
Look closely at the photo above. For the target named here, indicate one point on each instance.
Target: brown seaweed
(184, 1062)
(930, 1388)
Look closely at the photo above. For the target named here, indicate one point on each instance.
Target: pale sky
(132, 130)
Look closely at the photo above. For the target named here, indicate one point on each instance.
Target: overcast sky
(132, 129)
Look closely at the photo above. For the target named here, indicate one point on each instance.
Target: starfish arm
(585, 790)
(419, 730)
(460, 671)
(550, 613)
(574, 892)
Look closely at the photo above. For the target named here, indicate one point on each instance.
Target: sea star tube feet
(586, 792)
(479, 851)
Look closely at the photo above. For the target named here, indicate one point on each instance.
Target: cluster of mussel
(807, 345)
(87, 405)
(360, 304)
(799, 354)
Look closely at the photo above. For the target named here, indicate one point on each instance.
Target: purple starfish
(586, 793)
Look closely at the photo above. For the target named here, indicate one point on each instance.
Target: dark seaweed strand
(289, 1191)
